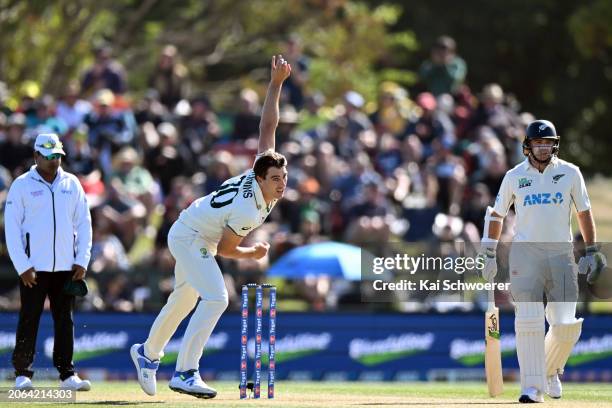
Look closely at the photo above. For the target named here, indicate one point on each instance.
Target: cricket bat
(493, 366)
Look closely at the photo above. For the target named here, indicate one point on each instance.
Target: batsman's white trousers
(537, 268)
(196, 275)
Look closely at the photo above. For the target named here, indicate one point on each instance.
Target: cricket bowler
(214, 225)
(543, 188)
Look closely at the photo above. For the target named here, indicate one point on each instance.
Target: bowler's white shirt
(238, 204)
(542, 201)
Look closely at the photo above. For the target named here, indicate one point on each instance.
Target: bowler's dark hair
(268, 159)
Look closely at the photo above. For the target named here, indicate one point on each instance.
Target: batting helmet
(540, 129)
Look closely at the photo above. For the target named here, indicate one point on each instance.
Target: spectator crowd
(408, 166)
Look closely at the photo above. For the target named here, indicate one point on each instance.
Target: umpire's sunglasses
(53, 156)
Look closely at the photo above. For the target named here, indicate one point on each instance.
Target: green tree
(223, 42)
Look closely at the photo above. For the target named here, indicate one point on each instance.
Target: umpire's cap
(76, 287)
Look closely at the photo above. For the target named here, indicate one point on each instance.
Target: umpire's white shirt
(47, 226)
(542, 201)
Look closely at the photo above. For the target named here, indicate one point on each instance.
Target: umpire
(48, 235)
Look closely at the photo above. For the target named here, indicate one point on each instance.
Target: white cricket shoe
(554, 387)
(75, 383)
(190, 382)
(531, 394)
(23, 383)
(147, 369)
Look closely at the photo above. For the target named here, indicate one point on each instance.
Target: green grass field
(334, 394)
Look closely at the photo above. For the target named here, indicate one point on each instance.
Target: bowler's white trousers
(196, 275)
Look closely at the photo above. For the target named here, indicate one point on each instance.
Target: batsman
(543, 188)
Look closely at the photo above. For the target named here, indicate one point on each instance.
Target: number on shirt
(226, 190)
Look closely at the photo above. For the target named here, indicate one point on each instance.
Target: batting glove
(592, 264)
(488, 258)
(490, 264)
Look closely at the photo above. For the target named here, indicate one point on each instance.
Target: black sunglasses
(53, 156)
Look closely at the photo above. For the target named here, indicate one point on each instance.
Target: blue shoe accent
(189, 382)
(144, 362)
(186, 376)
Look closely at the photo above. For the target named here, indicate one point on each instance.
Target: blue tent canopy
(332, 259)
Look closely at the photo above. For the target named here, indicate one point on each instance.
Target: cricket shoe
(554, 387)
(190, 382)
(75, 383)
(531, 394)
(146, 369)
(23, 383)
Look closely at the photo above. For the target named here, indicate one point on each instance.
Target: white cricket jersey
(238, 204)
(542, 201)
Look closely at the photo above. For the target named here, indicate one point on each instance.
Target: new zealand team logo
(524, 182)
(557, 178)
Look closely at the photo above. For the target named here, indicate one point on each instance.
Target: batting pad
(529, 328)
(560, 341)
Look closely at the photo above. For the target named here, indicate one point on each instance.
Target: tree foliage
(223, 42)
(554, 55)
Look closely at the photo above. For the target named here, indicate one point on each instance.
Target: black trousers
(32, 302)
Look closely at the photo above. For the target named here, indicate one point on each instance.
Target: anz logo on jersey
(543, 199)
